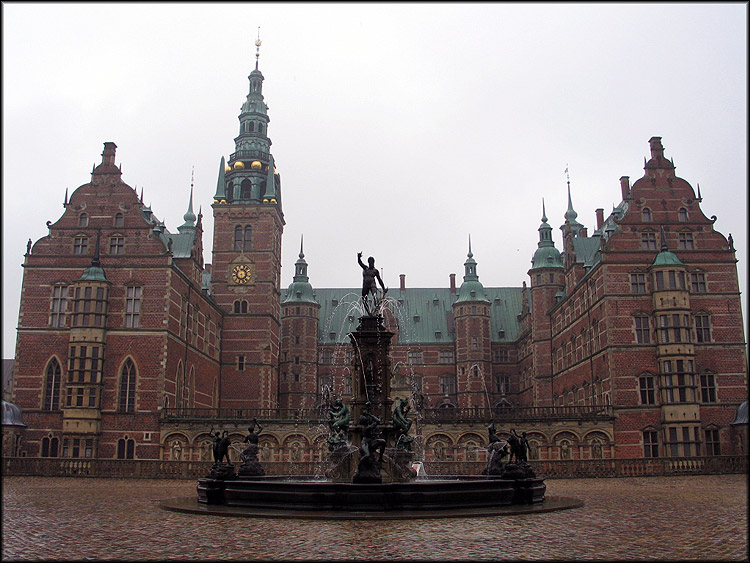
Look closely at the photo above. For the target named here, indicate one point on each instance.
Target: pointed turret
(472, 289)
(189, 215)
(95, 272)
(300, 290)
(546, 255)
(570, 215)
(665, 257)
(221, 195)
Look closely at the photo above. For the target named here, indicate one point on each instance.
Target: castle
(626, 343)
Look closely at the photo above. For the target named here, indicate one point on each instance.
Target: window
(682, 441)
(502, 384)
(446, 357)
(638, 283)
(127, 386)
(712, 442)
(650, 443)
(648, 241)
(682, 215)
(698, 282)
(646, 215)
(125, 448)
(326, 356)
(447, 384)
(80, 245)
(415, 357)
(240, 363)
(648, 393)
(59, 305)
(83, 220)
(242, 238)
(502, 356)
(702, 329)
(708, 388)
(52, 384)
(685, 241)
(119, 220)
(116, 245)
(642, 334)
(133, 306)
(49, 446)
(240, 306)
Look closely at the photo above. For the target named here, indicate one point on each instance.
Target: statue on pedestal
(370, 275)
(250, 463)
(402, 424)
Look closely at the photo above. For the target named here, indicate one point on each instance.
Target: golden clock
(242, 274)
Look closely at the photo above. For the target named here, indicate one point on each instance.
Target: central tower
(246, 272)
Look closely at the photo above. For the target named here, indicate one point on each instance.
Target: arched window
(53, 379)
(49, 446)
(119, 219)
(83, 220)
(682, 214)
(646, 215)
(127, 386)
(246, 189)
(125, 448)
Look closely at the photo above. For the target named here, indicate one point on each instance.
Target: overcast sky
(399, 130)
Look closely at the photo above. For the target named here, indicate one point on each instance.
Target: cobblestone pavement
(661, 518)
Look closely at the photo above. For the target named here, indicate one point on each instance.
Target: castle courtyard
(700, 517)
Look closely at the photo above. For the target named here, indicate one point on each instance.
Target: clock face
(242, 274)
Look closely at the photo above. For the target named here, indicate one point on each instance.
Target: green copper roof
(546, 255)
(424, 315)
(667, 258)
(93, 273)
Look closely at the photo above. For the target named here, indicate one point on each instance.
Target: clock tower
(246, 270)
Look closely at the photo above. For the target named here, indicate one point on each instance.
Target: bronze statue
(370, 275)
(250, 464)
(338, 423)
(402, 424)
(368, 468)
(221, 445)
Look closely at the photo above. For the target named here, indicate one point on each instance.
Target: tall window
(686, 241)
(642, 333)
(650, 443)
(119, 220)
(116, 244)
(127, 386)
(646, 215)
(58, 306)
(708, 388)
(80, 245)
(698, 282)
(648, 241)
(242, 238)
(240, 363)
(682, 215)
(52, 384)
(648, 392)
(502, 384)
(133, 306)
(83, 220)
(712, 442)
(49, 446)
(638, 283)
(702, 329)
(125, 448)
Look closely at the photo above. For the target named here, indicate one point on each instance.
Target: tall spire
(570, 214)
(189, 215)
(471, 289)
(257, 49)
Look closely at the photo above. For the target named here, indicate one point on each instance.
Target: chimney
(657, 150)
(453, 283)
(583, 233)
(108, 156)
(599, 218)
(625, 186)
(402, 277)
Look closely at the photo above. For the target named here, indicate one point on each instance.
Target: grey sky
(398, 129)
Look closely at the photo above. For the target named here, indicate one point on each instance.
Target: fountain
(370, 466)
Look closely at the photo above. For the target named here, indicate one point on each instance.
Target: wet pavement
(658, 518)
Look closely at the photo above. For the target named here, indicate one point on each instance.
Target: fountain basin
(304, 494)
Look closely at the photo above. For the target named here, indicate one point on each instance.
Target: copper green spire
(300, 290)
(189, 215)
(570, 214)
(471, 289)
(546, 255)
(221, 196)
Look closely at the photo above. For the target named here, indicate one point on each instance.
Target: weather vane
(567, 174)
